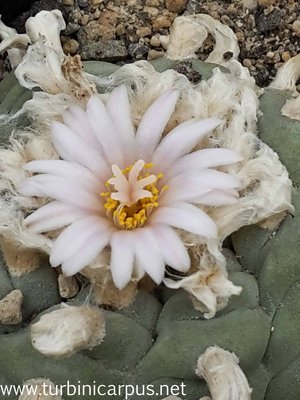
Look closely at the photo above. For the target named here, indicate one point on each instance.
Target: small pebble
(84, 20)
(269, 22)
(286, 55)
(138, 50)
(250, 4)
(68, 3)
(75, 16)
(154, 41)
(152, 11)
(240, 36)
(70, 46)
(96, 14)
(10, 308)
(152, 3)
(108, 50)
(68, 286)
(176, 6)
(226, 20)
(120, 30)
(161, 22)
(265, 3)
(143, 31)
(154, 54)
(228, 55)
(95, 3)
(83, 3)
(296, 27)
(247, 63)
(71, 28)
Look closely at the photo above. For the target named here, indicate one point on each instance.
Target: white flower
(128, 189)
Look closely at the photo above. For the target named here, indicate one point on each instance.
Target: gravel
(122, 31)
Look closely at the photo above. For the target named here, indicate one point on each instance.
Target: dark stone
(269, 22)
(71, 28)
(228, 55)
(262, 78)
(137, 50)
(83, 3)
(186, 68)
(107, 50)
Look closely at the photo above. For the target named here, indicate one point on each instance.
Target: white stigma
(130, 190)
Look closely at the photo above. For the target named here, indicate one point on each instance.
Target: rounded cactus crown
(234, 319)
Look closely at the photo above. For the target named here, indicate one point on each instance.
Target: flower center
(132, 194)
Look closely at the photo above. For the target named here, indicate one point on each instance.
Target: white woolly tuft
(13, 43)
(189, 33)
(224, 377)
(291, 108)
(47, 24)
(37, 59)
(210, 289)
(40, 389)
(287, 75)
(63, 332)
(286, 79)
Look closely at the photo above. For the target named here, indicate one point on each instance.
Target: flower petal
(189, 192)
(52, 216)
(61, 189)
(206, 178)
(182, 140)
(75, 237)
(87, 252)
(148, 254)
(216, 198)
(122, 258)
(118, 109)
(105, 131)
(68, 170)
(193, 186)
(154, 122)
(72, 147)
(205, 158)
(187, 217)
(172, 248)
(76, 119)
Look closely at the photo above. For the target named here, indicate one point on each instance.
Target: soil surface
(123, 31)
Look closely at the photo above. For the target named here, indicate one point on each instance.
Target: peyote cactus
(158, 337)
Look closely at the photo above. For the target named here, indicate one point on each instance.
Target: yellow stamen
(135, 215)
